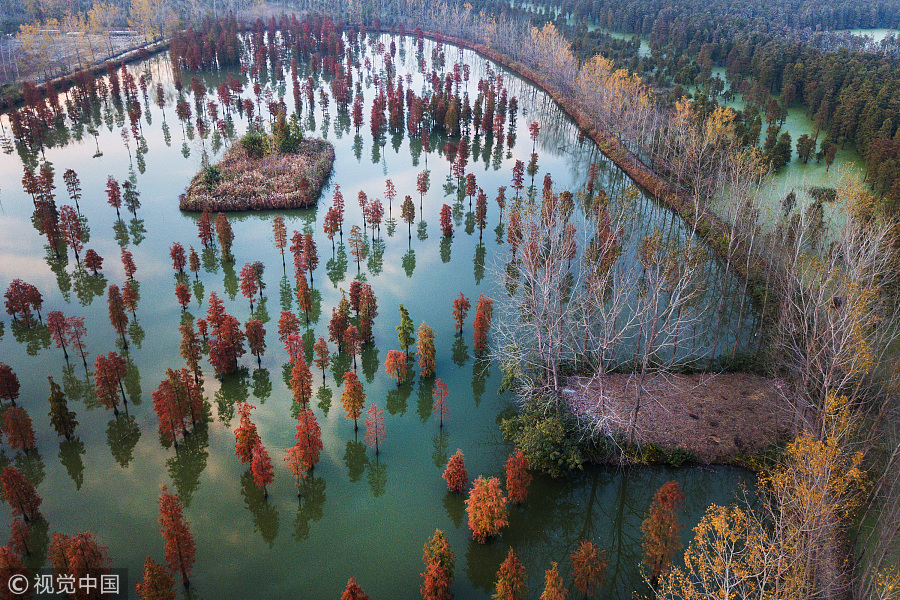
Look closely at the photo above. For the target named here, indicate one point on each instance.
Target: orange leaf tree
(157, 583)
(517, 477)
(425, 347)
(455, 474)
(439, 408)
(483, 312)
(660, 530)
(261, 468)
(553, 585)
(20, 494)
(352, 397)
(486, 507)
(461, 306)
(511, 579)
(180, 548)
(245, 436)
(396, 366)
(375, 427)
(588, 568)
(353, 591)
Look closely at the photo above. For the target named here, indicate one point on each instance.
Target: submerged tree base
(278, 180)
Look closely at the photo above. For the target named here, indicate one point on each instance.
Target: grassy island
(263, 171)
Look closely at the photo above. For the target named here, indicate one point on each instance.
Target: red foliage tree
(172, 419)
(183, 295)
(375, 427)
(340, 320)
(486, 508)
(660, 529)
(352, 397)
(130, 297)
(248, 283)
(225, 236)
(304, 455)
(77, 334)
(93, 261)
(588, 568)
(440, 408)
(72, 230)
(311, 257)
(484, 310)
(287, 325)
(437, 583)
(114, 195)
(301, 381)
(261, 468)
(304, 297)
(180, 548)
(109, 371)
(396, 366)
(18, 428)
(352, 342)
(256, 338)
(128, 263)
(21, 298)
(78, 556)
(245, 436)
(353, 591)
(517, 477)
(58, 325)
(553, 585)
(179, 259)
(446, 220)
(157, 583)
(9, 384)
(455, 474)
(461, 306)
(322, 355)
(117, 317)
(20, 494)
(280, 233)
(226, 345)
(205, 228)
(368, 310)
(511, 579)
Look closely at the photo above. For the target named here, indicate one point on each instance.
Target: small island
(263, 171)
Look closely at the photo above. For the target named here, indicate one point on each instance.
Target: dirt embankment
(715, 416)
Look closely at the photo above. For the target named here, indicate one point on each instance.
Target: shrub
(254, 143)
(543, 438)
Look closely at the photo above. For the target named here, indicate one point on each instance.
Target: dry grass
(715, 416)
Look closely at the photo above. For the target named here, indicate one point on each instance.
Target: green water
(361, 516)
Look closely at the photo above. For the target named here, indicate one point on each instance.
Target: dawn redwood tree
(375, 434)
(256, 338)
(426, 351)
(245, 436)
(446, 220)
(128, 263)
(436, 584)
(194, 262)
(304, 297)
(340, 320)
(511, 579)
(440, 408)
(368, 310)
(77, 334)
(131, 197)
(179, 260)
(322, 356)
(352, 342)
(183, 295)
(72, 230)
(352, 397)
(157, 584)
(422, 185)
(396, 366)
(517, 477)
(588, 568)
(78, 556)
(261, 468)
(93, 261)
(73, 186)
(18, 428)
(461, 306)
(301, 381)
(287, 325)
(225, 235)
(279, 231)
(20, 299)
(58, 326)
(226, 345)
(187, 394)
(518, 179)
(114, 195)
(304, 455)
(191, 350)
(9, 384)
(661, 531)
(405, 331)
(175, 530)
(357, 242)
(501, 199)
(205, 228)
(130, 297)
(248, 283)
(61, 418)
(484, 311)
(408, 213)
(440, 562)
(117, 317)
(171, 418)
(293, 345)
(20, 494)
(455, 473)
(554, 589)
(486, 507)
(109, 371)
(481, 212)
(310, 255)
(353, 591)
